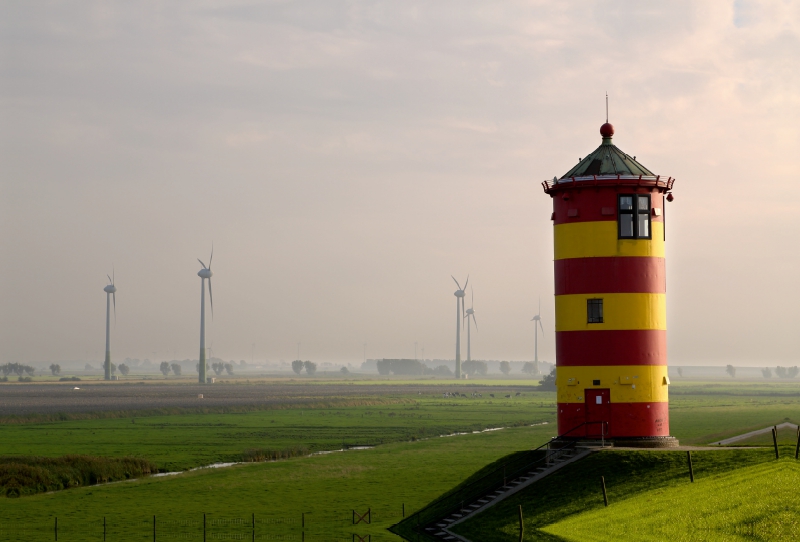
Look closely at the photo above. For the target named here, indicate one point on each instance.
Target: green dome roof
(607, 159)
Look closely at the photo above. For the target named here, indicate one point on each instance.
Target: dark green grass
(178, 442)
(20, 476)
(576, 488)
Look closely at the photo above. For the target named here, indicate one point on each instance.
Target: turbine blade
(211, 297)
(109, 280)
(114, 297)
(474, 320)
(201, 263)
(113, 274)
(212, 256)
(454, 280)
(465, 284)
(541, 326)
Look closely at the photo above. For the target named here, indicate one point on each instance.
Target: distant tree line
(781, 372)
(17, 368)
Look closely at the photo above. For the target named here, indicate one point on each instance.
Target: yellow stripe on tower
(598, 239)
(620, 311)
(628, 383)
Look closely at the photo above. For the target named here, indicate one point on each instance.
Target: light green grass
(629, 475)
(760, 502)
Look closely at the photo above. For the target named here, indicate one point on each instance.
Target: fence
(310, 526)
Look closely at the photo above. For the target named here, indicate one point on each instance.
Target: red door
(598, 409)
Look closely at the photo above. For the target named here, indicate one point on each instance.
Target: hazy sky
(345, 158)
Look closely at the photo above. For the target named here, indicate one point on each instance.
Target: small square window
(594, 311)
(595, 382)
(634, 217)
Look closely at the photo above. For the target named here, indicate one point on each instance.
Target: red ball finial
(607, 130)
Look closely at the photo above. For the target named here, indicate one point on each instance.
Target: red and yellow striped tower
(610, 296)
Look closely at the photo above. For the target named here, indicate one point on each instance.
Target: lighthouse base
(646, 442)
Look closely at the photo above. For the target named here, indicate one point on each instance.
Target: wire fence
(353, 525)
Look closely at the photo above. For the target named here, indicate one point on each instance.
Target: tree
(443, 370)
(88, 367)
(310, 366)
(781, 372)
(344, 370)
(164, 367)
(731, 370)
(505, 367)
(297, 366)
(793, 371)
(229, 368)
(112, 368)
(529, 368)
(176, 368)
(384, 366)
(218, 367)
(481, 368)
(767, 372)
(548, 383)
(124, 369)
(55, 368)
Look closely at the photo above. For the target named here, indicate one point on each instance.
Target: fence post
(775, 440)
(404, 509)
(521, 524)
(303, 520)
(797, 448)
(104, 529)
(691, 469)
(204, 527)
(154, 528)
(603, 484)
(254, 526)
(56, 529)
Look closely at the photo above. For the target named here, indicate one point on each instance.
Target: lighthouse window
(594, 311)
(634, 217)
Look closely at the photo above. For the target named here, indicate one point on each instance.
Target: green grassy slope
(759, 502)
(576, 488)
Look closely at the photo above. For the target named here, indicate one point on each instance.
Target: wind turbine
(204, 273)
(111, 293)
(536, 326)
(470, 314)
(460, 315)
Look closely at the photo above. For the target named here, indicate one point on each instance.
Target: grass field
(765, 510)
(191, 440)
(328, 487)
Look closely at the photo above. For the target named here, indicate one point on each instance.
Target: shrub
(548, 383)
(69, 379)
(29, 475)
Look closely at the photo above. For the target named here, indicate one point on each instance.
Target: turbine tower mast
(111, 293)
(204, 273)
(459, 321)
(470, 315)
(536, 326)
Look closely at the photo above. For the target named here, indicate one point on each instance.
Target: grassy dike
(632, 477)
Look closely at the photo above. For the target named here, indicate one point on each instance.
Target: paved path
(746, 436)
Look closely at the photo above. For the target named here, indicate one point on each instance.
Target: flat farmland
(95, 397)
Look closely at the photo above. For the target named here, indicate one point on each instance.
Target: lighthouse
(610, 298)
